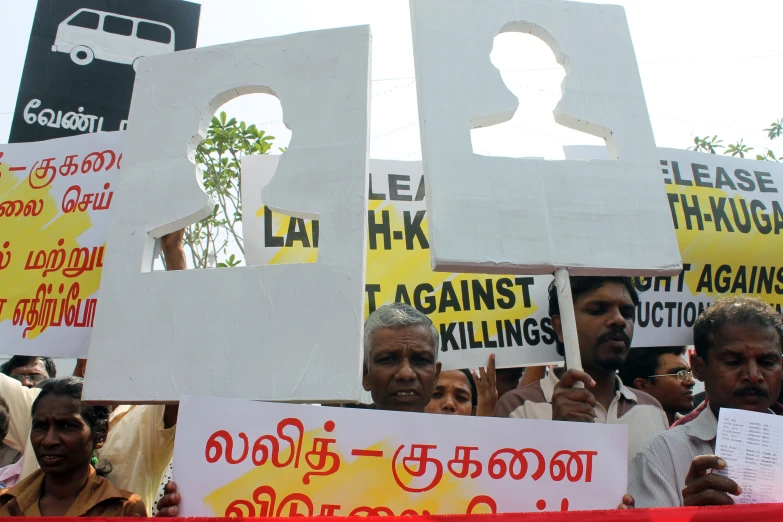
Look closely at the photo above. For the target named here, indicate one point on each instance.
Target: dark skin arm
(703, 488)
(574, 404)
(174, 254)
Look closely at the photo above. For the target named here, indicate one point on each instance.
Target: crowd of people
(67, 458)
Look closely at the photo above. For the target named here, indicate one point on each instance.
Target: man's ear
(640, 384)
(365, 378)
(558, 326)
(699, 366)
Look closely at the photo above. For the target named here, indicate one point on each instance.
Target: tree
(711, 144)
(219, 157)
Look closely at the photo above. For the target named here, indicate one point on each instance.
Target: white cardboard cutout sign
(290, 332)
(532, 216)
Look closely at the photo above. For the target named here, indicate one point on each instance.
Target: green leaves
(219, 156)
(706, 144)
(738, 149)
(775, 129)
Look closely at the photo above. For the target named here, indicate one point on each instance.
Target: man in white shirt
(739, 354)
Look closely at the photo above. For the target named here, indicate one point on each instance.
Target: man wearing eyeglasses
(29, 370)
(665, 374)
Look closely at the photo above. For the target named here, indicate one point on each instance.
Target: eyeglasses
(34, 378)
(682, 375)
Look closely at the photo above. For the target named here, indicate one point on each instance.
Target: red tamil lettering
(95, 161)
(368, 511)
(462, 458)
(273, 448)
(5, 257)
(559, 470)
(292, 502)
(482, 500)
(41, 177)
(497, 467)
(68, 167)
(234, 509)
(422, 459)
(321, 451)
(2, 304)
(214, 448)
(329, 510)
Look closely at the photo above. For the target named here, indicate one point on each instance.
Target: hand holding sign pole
(531, 216)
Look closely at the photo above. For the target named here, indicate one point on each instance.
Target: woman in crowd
(65, 435)
(457, 392)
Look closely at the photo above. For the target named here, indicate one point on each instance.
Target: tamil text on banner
(246, 459)
(475, 314)
(81, 60)
(55, 198)
(728, 214)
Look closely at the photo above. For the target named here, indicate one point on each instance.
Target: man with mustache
(739, 347)
(605, 308)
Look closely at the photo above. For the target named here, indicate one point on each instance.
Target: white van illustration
(89, 34)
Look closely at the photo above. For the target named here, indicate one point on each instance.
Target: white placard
(55, 206)
(751, 444)
(263, 459)
(531, 216)
(275, 332)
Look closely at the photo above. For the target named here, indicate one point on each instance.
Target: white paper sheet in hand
(751, 443)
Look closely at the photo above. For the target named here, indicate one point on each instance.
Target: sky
(707, 67)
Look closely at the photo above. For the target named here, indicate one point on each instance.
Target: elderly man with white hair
(400, 358)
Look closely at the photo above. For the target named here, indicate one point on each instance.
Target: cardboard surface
(529, 216)
(256, 459)
(476, 314)
(275, 332)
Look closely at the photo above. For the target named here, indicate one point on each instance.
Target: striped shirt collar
(549, 382)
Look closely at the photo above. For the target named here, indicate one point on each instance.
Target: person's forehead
(455, 379)
(738, 337)
(671, 361)
(610, 291)
(34, 366)
(415, 337)
(58, 406)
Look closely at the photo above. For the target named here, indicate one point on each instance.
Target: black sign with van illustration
(80, 66)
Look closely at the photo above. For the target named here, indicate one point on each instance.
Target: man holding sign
(605, 308)
(738, 356)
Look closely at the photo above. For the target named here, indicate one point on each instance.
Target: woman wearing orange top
(65, 434)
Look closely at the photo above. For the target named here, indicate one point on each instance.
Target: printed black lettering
(746, 182)
(742, 227)
(499, 328)
(420, 191)
(753, 272)
(525, 283)
(665, 281)
(503, 287)
(483, 294)
(395, 187)
(513, 332)
(530, 329)
(465, 294)
(657, 321)
(691, 211)
(719, 214)
(549, 332)
(401, 295)
(374, 196)
(447, 338)
(700, 173)
(686, 267)
(777, 213)
(677, 178)
(643, 314)
(723, 282)
(670, 306)
(642, 284)
(413, 229)
(428, 304)
(472, 342)
(764, 181)
(705, 280)
(448, 298)
(766, 279)
(690, 314)
(779, 286)
(761, 220)
(374, 228)
(297, 232)
(270, 239)
(461, 327)
(739, 281)
(488, 343)
(316, 232)
(673, 200)
(722, 179)
(665, 172)
(371, 290)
